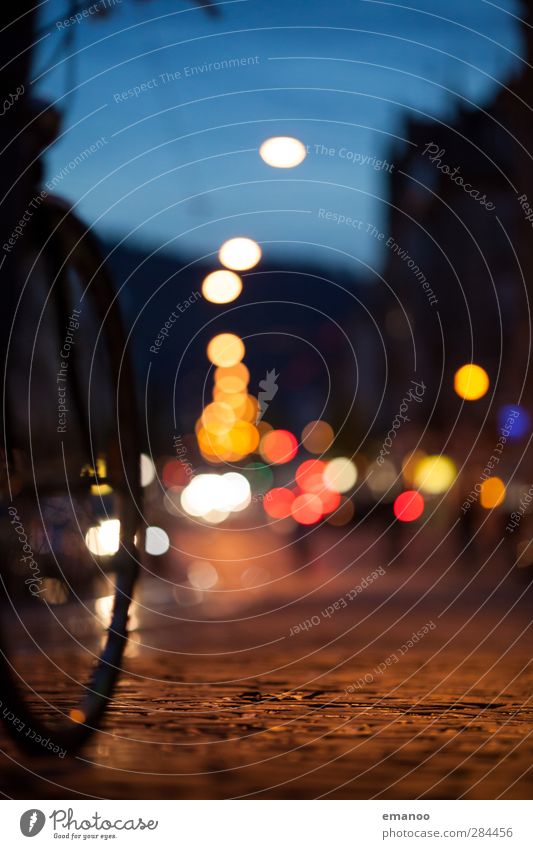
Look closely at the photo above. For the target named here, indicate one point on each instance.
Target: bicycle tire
(67, 242)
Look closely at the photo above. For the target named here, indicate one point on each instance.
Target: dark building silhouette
(458, 220)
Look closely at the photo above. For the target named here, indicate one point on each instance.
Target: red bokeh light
(307, 509)
(309, 475)
(174, 473)
(409, 506)
(330, 500)
(278, 502)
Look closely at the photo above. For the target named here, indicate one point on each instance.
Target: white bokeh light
(104, 539)
(239, 254)
(156, 541)
(213, 497)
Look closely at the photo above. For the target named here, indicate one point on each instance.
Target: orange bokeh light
(218, 418)
(230, 384)
(225, 350)
(492, 493)
(239, 371)
(279, 446)
(235, 400)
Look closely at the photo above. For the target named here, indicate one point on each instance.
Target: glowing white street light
(239, 254)
(283, 152)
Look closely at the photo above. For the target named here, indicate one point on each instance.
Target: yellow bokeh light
(221, 287)
(282, 152)
(434, 474)
(226, 350)
(244, 438)
(317, 437)
(101, 489)
(492, 493)
(213, 447)
(471, 382)
(239, 254)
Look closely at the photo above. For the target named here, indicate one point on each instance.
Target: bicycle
(60, 488)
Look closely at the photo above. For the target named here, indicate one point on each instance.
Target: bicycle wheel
(70, 506)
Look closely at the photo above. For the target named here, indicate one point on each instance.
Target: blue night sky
(180, 165)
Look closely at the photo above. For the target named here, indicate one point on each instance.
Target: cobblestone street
(241, 708)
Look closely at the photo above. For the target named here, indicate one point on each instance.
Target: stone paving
(240, 708)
